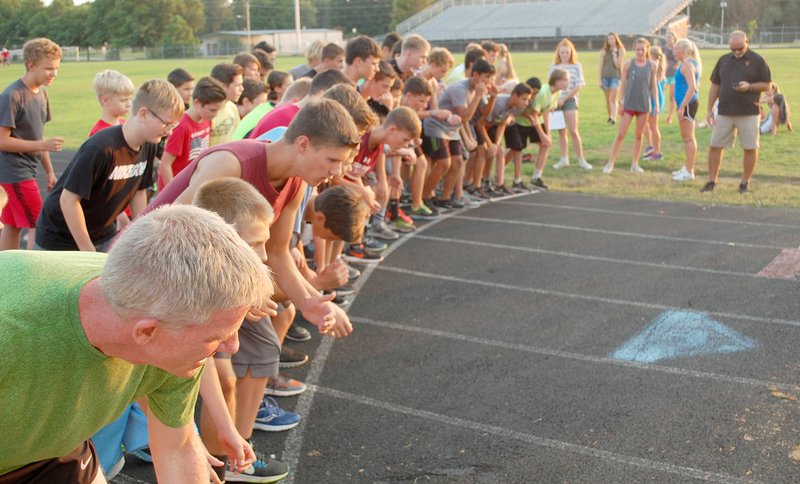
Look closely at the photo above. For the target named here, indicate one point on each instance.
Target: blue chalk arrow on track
(680, 334)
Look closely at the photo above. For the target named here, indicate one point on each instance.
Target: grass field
(775, 183)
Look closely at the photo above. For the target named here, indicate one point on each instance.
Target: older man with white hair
(83, 335)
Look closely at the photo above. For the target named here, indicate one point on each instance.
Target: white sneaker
(637, 169)
(561, 164)
(683, 175)
(583, 164)
(608, 169)
(683, 168)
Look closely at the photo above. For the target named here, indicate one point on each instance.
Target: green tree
(15, 29)
(138, 23)
(402, 9)
(218, 15)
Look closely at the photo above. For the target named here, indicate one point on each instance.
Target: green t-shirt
(56, 389)
(251, 120)
(544, 100)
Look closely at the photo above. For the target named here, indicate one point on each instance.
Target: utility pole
(722, 6)
(297, 26)
(247, 23)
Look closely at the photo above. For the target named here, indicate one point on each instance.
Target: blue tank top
(681, 86)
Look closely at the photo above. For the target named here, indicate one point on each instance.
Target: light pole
(722, 6)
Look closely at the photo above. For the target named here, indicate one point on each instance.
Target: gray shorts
(259, 350)
(569, 105)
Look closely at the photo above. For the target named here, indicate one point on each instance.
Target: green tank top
(609, 69)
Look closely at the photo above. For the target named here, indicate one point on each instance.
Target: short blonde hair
(415, 42)
(314, 52)
(441, 57)
(297, 90)
(405, 119)
(35, 50)
(160, 96)
(235, 200)
(112, 83)
(181, 265)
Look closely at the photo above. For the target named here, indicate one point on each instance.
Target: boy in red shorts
(24, 109)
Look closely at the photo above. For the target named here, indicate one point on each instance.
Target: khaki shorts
(726, 127)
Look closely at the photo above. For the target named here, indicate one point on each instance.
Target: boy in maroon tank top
(318, 142)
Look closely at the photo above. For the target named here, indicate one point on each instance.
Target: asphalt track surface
(483, 352)
(486, 349)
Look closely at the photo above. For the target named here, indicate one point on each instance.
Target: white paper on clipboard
(557, 122)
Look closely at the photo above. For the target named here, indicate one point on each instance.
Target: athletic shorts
(492, 132)
(633, 114)
(517, 136)
(670, 80)
(690, 111)
(439, 149)
(478, 136)
(24, 204)
(569, 105)
(609, 83)
(259, 350)
(726, 127)
(79, 466)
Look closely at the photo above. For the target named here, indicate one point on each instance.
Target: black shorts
(439, 149)
(690, 112)
(79, 466)
(517, 136)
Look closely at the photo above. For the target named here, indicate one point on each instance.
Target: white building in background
(229, 42)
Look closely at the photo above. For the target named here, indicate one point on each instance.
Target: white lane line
(603, 455)
(616, 232)
(595, 258)
(682, 372)
(294, 442)
(651, 215)
(608, 300)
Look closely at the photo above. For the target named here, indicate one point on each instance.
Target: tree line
(155, 23)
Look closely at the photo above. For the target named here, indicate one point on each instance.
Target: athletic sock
(393, 208)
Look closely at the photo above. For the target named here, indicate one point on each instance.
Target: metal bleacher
(452, 20)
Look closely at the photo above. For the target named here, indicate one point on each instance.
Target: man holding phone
(737, 81)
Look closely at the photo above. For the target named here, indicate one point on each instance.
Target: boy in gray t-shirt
(441, 141)
(24, 109)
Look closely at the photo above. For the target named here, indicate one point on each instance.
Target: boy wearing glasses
(110, 171)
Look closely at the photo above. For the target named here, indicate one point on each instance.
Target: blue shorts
(609, 82)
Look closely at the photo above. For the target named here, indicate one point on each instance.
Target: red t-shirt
(280, 116)
(187, 141)
(364, 161)
(101, 124)
(252, 156)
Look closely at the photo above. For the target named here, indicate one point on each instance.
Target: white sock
(517, 180)
(537, 173)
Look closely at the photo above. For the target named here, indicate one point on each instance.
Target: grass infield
(775, 183)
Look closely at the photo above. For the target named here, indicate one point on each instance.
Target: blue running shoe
(272, 418)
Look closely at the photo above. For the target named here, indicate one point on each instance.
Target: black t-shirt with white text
(106, 173)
